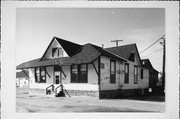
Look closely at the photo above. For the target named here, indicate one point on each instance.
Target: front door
(57, 75)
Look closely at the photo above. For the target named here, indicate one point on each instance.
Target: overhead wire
(153, 52)
(152, 44)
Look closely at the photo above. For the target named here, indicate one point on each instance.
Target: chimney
(102, 45)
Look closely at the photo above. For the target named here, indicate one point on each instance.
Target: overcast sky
(36, 28)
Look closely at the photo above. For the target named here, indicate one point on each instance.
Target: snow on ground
(27, 103)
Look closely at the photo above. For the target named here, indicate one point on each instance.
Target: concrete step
(50, 95)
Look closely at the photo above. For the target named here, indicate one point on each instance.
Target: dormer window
(57, 52)
(143, 62)
(54, 52)
(131, 57)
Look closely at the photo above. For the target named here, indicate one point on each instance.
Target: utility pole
(116, 42)
(163, 67)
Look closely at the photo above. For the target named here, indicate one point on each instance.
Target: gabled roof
(38, 62)
(90, 52)
(125, 51)
(21, 74)
(147, 64)
(86, 54)
(70, 47)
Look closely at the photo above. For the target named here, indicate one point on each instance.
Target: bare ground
(33, 104)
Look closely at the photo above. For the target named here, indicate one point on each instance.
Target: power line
(152, 44)
(154, 52)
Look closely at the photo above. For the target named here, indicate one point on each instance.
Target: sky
(35, 28)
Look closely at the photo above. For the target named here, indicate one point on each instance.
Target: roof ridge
(121, 46)
(116, 55)
(107, 51)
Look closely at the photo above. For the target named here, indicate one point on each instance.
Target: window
(142, 74)
(131, 57)
(74, 73)
(57, 52)
(135, 74)
(113, 72)
(54, 52)
(40, 75)
(79, 73)
(57, 79)
(83, 73)
(126, 73)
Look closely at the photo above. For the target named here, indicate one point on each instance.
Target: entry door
(57, 75)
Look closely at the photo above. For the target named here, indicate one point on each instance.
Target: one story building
(153, 74)
(88, 70)
(22, 79)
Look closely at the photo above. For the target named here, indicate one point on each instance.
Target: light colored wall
(131, 84)
(92, 79)
(105, 75)
(22, 82)
(92, 75)
(120, 67)
(48, 54)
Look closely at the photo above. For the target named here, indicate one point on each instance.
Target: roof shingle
(87, 54)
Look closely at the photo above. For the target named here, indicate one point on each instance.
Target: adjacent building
(22, 79)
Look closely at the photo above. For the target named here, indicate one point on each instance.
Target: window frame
(113, 76)
(135, 74)
(79, 74)
(74, 81)
(53, 52)
(126, 75)
(142, 73)
(38, 78)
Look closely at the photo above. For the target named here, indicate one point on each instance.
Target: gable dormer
(60, 48)
(54, 50)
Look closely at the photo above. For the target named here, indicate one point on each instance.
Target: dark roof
(87, 54)
(147, 64)
(21, 74)
(38, 62)
(70, 47)
(90, 52)
(125, 51)
(105, 52)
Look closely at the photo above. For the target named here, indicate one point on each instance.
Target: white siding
(91, 85)
(105, 75)
(131, 84)
(54, 44)
(92, 75)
